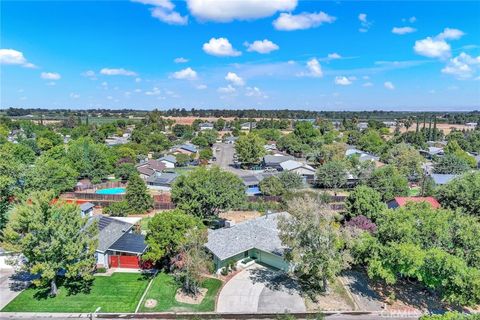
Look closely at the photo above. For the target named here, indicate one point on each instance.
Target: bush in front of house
(117, 209)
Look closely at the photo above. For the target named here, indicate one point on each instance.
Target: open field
(120, 292)
(446, 127)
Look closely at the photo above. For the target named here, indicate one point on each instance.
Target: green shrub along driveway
(120, 292)
(164, 289)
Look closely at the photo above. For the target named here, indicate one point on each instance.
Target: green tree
(219, 124)
(137, 196)
(167, 232)
(364, 201)
(158, 142)
(406, 159)
(291, 180)
(125, 170)
(50, 174)
(53, 237)
(305, 132)
(249, 149)
(453, 148)
(11, 176)
(205, 154)
(20, 152)
(451, 164)
(204, 192)
(200, 141)
(91, 160)
(462, 193)
(117, 209)
(389, 182)
(332, 174)
(182, 159)
(272, 186)
(192, 263)
(315, 241)
(371, 141)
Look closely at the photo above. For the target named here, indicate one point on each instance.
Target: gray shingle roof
(260, 233)
(86, 206)
(109, 231)
(441, 179)
(164, 178)
(269, 159)
(169, 158)
(130, 242)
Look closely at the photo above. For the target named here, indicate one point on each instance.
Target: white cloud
(74, 95)
(14, 57)
(462, 66)
(342, 81)
(51, 83)
(432, 48)
(314, 69)
(367, 84)
(261, 46)
(364, 23)
(137, 90)
(163, 10)
(169, 17)
(180, 60)
(220, 47)
(90, 74)
(50, 76)
(254, 92)
(227, 89)
(333, 56)
(226, 11)
(302, 21)
(154, 92)
(389, 85)
(234, 79)
(412, 19)
(201, 87)
(138, 80)
(450, 34)
(117, 72)
(403, 30)
(185, 74)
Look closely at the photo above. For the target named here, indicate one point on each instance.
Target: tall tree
(204, 192)
(315, 243)
(53, 237)
(364, 201)
(249, 149)
(137, 196)
(332, 174)
(389, 182)
(462, 193)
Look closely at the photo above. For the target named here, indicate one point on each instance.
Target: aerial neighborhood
(302, 212)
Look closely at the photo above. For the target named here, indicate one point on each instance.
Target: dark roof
(130, 242)
(169, 158)
(250, 180)
(152, 164)
(188, 147)
(146, 171)
(86, 206)
(164, 178)
(109, 231)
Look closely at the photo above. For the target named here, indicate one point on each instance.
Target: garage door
(272, 260)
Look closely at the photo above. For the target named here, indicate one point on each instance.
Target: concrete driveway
(11, 284)
(260, 289)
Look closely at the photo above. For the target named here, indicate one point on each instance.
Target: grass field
(120, 292)
(164, 288)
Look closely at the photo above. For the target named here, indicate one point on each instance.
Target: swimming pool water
(111, 191)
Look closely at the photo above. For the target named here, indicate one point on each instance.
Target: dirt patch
(240, 216)
(185, 298)
(151, 303)
(337, 299)
(446, 127)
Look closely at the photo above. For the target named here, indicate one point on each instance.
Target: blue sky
(319, 55)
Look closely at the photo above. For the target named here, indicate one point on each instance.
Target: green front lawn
(117, 293)
(164, 288)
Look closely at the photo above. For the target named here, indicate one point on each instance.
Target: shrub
(117, 209)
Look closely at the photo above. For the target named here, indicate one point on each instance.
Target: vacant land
(120, 292)
(164, 288)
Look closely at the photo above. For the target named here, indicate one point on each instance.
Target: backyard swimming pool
(111, 191)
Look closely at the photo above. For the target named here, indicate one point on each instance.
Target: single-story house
(231, 139)
(252, 182)
(162, 180)
(115, 141)
(363, 156)
(402, 201)
(118, 246)
(471, 124)
(362, 125)
(169, 161)
(248, 125)
(205, 126)
(302, 169)
(187, 149)
(148, 168)
(257, 239)
(430, 152)
(273, 161)
(441, 179)
(87, 209)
